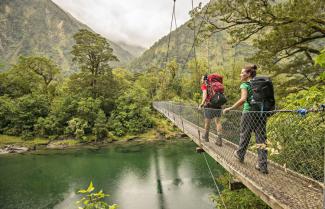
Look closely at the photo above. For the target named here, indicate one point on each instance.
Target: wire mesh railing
(291, 140)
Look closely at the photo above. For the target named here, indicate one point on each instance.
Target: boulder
(13, 149)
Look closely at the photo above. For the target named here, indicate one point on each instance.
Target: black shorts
(210, 113)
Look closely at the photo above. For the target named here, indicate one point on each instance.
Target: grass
(165, 127)
(149, 135)
(16, 140)
(66, 142)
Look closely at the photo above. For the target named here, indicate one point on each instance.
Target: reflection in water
(156, 176)
(159, 185)
(177, 182)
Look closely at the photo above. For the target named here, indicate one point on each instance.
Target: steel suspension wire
(170, 31)
(175, 15)
(198, 31)
(234, 60)
(194, 35)
(209, 67)
(214, 181)
(176, 36)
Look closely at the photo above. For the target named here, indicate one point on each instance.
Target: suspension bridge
(296, 185)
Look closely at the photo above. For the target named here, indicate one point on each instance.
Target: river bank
(16, 144)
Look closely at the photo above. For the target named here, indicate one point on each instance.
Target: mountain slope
(216, 50)
(40, 27)
(136, 51)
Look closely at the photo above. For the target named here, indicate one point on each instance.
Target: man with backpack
(212, 101)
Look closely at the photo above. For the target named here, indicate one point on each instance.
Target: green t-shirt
(246, 85)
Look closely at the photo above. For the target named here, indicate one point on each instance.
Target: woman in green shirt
(250, 121)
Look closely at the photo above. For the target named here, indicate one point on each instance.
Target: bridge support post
(235, 184)
(181, 116)
(199, 149)
(183, 126)
(199, 134)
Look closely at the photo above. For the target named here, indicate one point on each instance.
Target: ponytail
(251, 69)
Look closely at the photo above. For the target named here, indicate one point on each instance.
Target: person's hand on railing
(200, 106)
(226, 110)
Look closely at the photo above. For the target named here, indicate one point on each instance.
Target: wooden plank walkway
(281, 188)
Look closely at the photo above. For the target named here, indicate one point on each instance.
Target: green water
(168, 175)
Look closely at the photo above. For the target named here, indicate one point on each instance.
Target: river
(155, 175)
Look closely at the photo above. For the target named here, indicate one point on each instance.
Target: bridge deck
(281, 188)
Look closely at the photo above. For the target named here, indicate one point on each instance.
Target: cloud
(138, 22)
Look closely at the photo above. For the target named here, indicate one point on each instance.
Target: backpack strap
(211, 89)
(249, 83)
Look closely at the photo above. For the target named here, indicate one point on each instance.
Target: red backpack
(215, 87)
(215, 83)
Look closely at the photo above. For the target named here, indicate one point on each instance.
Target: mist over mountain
(136, 51)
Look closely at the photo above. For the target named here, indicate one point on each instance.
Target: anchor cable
(214, 181)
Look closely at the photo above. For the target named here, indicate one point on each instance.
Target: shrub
(132, 113)
(299, 140)
(100, 127)
(93, 200)
(76, 128)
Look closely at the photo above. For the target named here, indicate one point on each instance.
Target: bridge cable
(170, 31)
(173, 18)
(195, 37)
(176, 34)
(209, 67)
(214, 181)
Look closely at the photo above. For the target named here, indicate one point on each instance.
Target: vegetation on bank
(163, 130)
(18, 141)
(236, 199)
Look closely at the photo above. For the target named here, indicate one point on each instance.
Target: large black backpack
(263, 94)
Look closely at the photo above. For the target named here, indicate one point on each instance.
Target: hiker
(212, 101)
(253, 119)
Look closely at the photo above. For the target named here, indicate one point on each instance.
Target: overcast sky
(138, 22)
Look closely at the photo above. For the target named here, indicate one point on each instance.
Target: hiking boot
(241, 160)
(206, 137)
(264, 171)
(218, 141)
